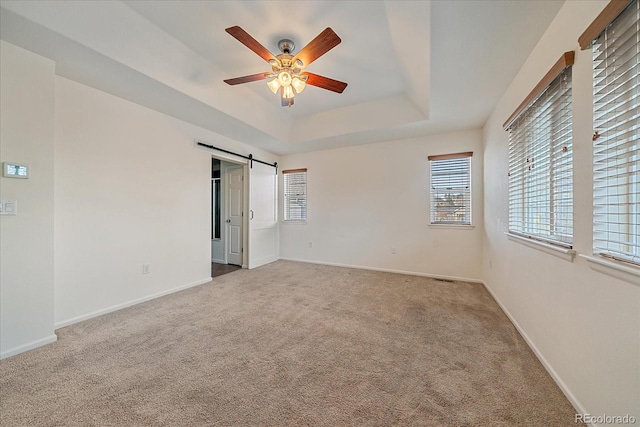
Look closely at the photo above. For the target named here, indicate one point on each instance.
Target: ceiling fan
(287, 71)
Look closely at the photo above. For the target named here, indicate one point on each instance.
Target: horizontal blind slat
(295, 195)
(450, 197)
(616, 153)
(541, 167)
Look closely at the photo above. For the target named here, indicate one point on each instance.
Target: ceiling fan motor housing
(286, 46)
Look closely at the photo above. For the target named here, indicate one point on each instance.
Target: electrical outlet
(393, 250)
(311, 244)
(146, 268)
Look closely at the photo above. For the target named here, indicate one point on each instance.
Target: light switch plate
(8, 207)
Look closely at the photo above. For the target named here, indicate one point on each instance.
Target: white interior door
(263, 215)
(234, 202)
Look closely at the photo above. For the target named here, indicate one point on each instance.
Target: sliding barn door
(263, 215)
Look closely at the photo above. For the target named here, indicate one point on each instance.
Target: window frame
(616, 175)
(451, 178)
(286, 210)
(535, 129)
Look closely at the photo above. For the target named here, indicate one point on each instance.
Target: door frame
(223, 205)
(246, 232)
(217, 244)
(225, 170)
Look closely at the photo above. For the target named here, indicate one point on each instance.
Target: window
(541, 160)
(616, 151)
(295, 195)
(451, 188)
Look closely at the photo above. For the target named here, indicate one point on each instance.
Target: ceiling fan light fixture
(274, 85)
(288, 92)
(284, 78)
(298, 84)
(288, 75)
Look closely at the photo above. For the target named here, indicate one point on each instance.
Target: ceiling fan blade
(325, 83)
(323, 43)
(243, 37)
(247, 79)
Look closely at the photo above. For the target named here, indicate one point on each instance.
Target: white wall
(364, 200)
(113, 186)
(26, 246)
(583, 324)
(130, 189)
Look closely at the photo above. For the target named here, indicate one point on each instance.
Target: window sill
(562, 253)
(454, 226)
(617, 269)
(295, 222)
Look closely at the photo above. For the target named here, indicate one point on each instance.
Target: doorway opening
(227, 216)
(220, 269)
(244, 209)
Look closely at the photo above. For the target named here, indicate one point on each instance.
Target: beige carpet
(290, 344)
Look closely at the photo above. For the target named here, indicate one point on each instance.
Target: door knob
(229, 220)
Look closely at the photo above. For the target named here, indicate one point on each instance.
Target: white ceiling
(413, 67)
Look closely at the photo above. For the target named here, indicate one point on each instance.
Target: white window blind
(541, 166)
(616, 155)
(295, 195)
(451, 189)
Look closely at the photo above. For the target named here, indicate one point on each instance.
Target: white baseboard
(29, 346)
(116, 307)
(262, 261)
(565, 389)
(387, 270)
